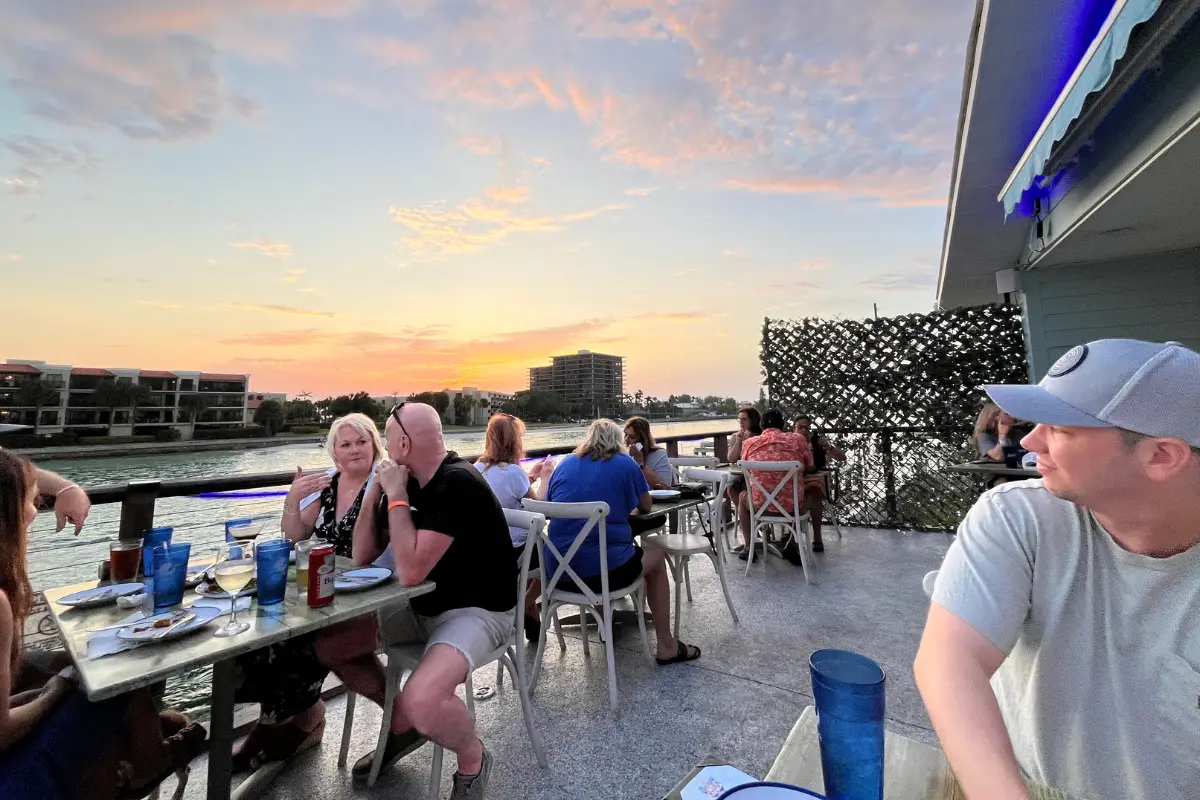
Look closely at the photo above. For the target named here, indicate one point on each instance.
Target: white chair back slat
(792, 470)
(596, 515)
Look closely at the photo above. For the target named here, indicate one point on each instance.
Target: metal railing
(897, 478)
(138, 498)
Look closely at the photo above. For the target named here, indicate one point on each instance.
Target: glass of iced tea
(124, 558)
(234, 569)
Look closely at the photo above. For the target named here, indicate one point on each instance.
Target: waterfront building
(256, 399)
(483, 404)
(590, 384)
(71, 404)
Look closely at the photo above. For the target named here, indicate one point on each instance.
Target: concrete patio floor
(736, 704)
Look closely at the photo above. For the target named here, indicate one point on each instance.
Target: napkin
(224, 606)
(106, 643)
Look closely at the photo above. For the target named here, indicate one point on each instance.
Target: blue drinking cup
(271, 562)
(170, 566)
(849, 692)
(151, 539)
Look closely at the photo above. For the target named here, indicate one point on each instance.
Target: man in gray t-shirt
(1063, 642)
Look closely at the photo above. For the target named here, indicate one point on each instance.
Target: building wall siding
(1155, 298)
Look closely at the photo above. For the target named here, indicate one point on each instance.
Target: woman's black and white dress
(286, 678)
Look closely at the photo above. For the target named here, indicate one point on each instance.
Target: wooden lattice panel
(911, 371)
(900, 395)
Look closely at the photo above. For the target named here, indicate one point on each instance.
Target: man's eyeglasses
(395, 412)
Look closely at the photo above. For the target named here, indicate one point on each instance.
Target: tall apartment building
(590, 384)
(225, 399)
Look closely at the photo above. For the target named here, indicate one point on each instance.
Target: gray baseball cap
(1146, 387)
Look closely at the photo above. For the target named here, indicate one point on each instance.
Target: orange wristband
(397, 504)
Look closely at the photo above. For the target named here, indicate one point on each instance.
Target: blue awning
(1093, 72)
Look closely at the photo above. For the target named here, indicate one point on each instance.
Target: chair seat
(680, 543)
(409, 654)
(580, 599)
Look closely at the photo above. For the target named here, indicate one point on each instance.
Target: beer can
(321, 567)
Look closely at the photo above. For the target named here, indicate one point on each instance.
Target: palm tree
(111, 396)
(38, 393)
(195, 405)
(136, 394)
(115, 394)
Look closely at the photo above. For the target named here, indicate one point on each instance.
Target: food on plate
(164, 622)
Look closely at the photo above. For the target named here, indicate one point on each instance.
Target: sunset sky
(399, 195)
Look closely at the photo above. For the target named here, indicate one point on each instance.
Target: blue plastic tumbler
(849, 693)
(151, 539)
(271, 561)
(170, 573)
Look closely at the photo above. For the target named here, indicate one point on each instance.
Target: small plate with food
(168, 626)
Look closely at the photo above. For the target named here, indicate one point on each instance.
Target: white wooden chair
(928, 583)
(680, 547)
(681, 464)
(510, 655)
(578, 594)
(772, 511)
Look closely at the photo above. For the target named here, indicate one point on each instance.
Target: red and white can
(321, 567)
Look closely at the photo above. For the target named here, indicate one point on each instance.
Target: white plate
(370, 576)
(100, 596)
(211, 590)
(664, 494)
(141, 632)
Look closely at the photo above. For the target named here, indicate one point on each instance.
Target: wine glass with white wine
(234, 569)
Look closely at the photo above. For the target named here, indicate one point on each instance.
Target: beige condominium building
(58, 397)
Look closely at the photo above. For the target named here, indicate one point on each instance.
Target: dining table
(151, 662)
(912, 770)
(994, 469)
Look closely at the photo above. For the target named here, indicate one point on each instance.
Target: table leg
(220, 732)
(673, 522)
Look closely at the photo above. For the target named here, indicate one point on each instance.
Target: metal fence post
(889, 477)
(721, 447)
(137, 509)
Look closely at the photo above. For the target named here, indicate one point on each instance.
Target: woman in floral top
(286, 679)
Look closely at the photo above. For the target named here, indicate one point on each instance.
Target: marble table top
(141, 666)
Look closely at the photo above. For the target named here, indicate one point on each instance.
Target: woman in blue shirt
(600, 470)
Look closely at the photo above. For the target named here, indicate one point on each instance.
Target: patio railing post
(673, 449)
(889, 476)
(721, 447)
(137, 509)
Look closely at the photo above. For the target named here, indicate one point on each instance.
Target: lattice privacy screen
(900, 394)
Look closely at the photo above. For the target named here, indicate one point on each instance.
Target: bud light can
(321, 567)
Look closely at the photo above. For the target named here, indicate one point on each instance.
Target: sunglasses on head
(395, 412)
